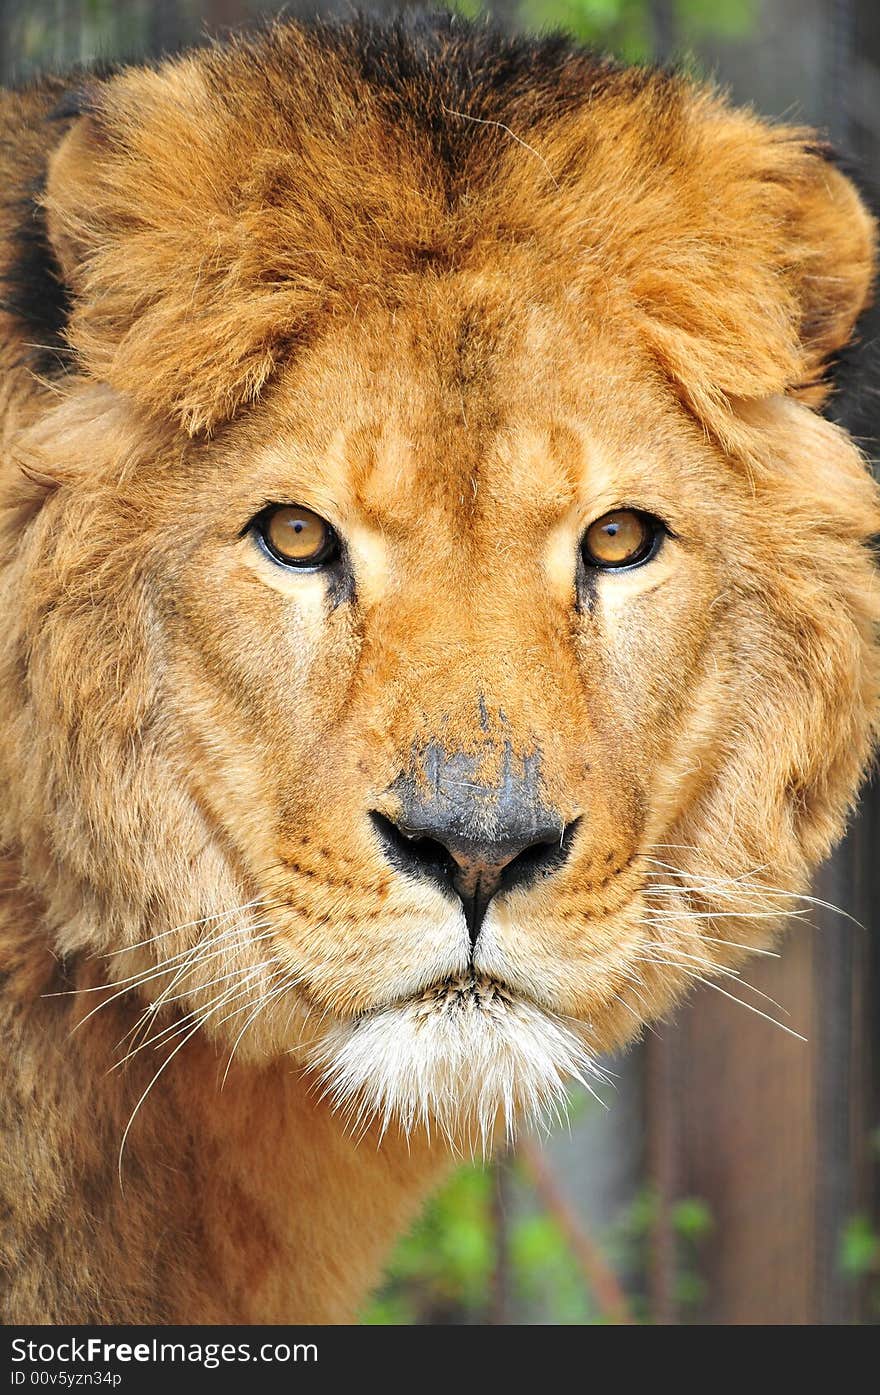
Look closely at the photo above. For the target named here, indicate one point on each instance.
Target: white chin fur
(463, 1058)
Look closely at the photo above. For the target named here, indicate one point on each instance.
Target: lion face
(446, 713)
(459, 690)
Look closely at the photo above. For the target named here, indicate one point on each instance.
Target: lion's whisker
(700, 882)
(264, 1002)
(152, 970)
(153, 1081)
(701, 937)
(243, 977)
(708, 983)
(179, 929)
(198, 1015)
(722, 972)
(195, 957)
(684, 912)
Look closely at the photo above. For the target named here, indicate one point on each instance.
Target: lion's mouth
(467, 1054)
(464, 993)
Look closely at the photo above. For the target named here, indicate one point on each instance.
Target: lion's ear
(69, 200)
(833, 254)
(172, 302)
(763, 268)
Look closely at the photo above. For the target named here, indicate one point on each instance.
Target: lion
(439, 625)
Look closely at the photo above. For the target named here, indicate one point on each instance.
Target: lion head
(440, 624)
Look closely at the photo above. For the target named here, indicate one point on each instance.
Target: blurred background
(730, 1176)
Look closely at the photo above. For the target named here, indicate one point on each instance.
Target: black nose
(476, 868)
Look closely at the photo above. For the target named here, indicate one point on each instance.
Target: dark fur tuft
(854, 372)
(33, 292)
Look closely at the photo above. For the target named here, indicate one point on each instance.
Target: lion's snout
(475, 824)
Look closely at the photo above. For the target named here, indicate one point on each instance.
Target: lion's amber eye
(296, 536)
(622, 538)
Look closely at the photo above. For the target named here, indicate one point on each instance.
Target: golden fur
(461, 320)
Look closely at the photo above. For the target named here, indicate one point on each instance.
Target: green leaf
(859, 1247)
(691, 1218)
(690, 1290)
(723, 19)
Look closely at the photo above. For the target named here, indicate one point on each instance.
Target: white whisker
(716, 987)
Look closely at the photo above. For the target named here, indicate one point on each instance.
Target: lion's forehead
(386, 421)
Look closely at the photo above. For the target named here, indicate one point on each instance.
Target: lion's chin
(465, 1058)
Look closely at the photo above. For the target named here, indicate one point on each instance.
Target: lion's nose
(430, 843)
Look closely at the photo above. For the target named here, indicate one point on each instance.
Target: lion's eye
(296, 536)
(622, 538)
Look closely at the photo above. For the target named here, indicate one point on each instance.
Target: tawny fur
(460, 298)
